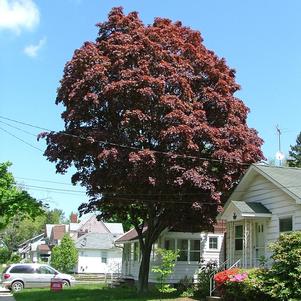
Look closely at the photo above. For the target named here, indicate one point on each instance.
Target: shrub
(15, 258)
(282, 282)
(186, 287)
(168, 262)
(245, 285)
(4, 255)
(203, 283)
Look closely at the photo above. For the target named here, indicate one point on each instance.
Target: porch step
(212, 298)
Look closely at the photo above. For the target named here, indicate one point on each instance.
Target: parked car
(31, 275)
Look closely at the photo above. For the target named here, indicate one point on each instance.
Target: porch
(246, 233)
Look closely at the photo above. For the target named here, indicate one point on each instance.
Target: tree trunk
(144, 268)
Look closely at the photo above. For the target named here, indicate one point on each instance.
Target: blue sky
(260, 39)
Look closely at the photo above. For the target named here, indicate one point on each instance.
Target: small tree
(168, 262)
(64, 256)
(295, 153)
(282, 281)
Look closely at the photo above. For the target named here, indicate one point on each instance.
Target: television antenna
(279, 155)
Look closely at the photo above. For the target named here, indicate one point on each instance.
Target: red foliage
(136, 99)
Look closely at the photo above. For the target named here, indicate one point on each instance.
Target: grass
(91, 293)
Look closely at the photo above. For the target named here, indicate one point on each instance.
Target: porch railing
(222, 267)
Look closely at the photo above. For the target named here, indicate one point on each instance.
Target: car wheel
(17, 286)
(66, 283)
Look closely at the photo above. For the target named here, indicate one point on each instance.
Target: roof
(95, 241)
(130, 235)
(58, 232)
(251, 207)
(31, 240)
(287, 177)
(115, 228)
(43, 248)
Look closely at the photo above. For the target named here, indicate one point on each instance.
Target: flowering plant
(224, 276)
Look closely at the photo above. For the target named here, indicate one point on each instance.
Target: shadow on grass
(91, 293)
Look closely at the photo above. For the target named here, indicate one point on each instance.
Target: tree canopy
(152, 126)
(13, 200)
(295, 153)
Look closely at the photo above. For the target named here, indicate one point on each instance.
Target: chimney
(73, 218)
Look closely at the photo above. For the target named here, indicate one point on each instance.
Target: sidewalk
(5, 295)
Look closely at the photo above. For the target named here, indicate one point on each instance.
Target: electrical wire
(20, 139)
(132, 147)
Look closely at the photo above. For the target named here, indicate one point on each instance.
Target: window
(285, 224)
(238, 238)
(22, 269)
(195, 250)
(169, 244)
(136, 251)
(45, 270)
(213, 243)
(104, 257)
(183, 247)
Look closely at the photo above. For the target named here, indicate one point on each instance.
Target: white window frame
(217, 243)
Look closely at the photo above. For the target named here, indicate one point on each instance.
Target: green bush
(14, 258)
(4, 255)
(250, 289)
(283, 280)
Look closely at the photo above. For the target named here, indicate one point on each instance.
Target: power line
(14, 127)
(132, 147)
(45, 181)
(27, 143)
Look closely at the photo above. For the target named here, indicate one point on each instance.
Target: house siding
(130, 268)
(90, 261)
(277, 202)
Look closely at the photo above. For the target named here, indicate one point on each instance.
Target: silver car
(31, 275)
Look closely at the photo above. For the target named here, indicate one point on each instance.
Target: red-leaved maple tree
(152, 127)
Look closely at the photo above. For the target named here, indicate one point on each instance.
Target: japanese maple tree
(152, 127)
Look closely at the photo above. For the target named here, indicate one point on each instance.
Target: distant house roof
(115, 228)
(31, 240)
(98, 241)
(58, 232)
(43, 248)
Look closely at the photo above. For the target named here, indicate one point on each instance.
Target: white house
(195, 250)
(95, 241)
(266, 203)
(30, 249)
(98, 254)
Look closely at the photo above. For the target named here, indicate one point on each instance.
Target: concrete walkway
(5, 295)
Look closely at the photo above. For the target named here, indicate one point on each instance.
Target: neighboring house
(94, 240)
(28, 250)
(195, 249)
(95, 243)
(266, 203)
(97, 253)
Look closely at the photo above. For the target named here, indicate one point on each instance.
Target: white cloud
(32, 50)
(17, 15)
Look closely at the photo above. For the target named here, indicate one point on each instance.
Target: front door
(259, 243)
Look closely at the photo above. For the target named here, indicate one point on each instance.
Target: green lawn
(90, 293)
